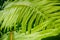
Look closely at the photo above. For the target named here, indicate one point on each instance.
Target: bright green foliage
(33, 20)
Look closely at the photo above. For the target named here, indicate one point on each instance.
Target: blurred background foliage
(1, 3)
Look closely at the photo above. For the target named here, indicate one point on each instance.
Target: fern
(30, 20)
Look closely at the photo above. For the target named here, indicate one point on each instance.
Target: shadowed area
(53, 38)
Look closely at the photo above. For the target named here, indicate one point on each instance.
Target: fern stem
(11, 38)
